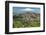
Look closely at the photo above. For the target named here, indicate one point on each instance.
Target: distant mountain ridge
(25, 13)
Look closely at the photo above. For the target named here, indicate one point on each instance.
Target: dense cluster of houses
(30, 17)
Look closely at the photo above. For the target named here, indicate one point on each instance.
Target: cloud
(26, 9)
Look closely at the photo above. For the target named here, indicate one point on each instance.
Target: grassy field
(18, 23)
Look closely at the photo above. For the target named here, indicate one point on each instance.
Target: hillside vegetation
(26, 20)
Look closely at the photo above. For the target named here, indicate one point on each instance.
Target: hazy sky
(18, 10)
